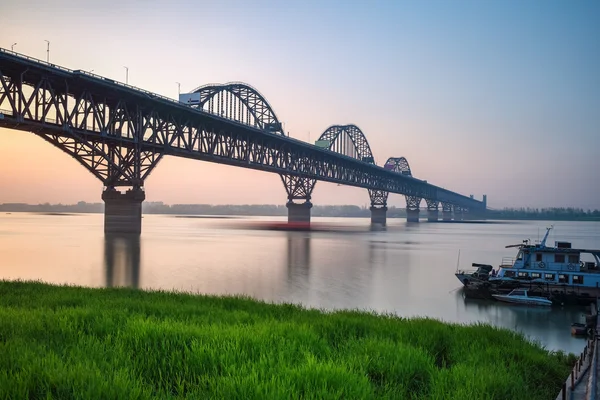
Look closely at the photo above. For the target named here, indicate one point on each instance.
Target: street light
(126, 75)
(47, 51)
(178, 88)
(12, 46)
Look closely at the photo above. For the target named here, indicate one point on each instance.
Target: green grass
(68, 342)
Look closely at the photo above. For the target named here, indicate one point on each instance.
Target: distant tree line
(80, 207)
(552, 214)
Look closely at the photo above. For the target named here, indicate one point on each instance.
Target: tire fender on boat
(571, 267)
(542, 264)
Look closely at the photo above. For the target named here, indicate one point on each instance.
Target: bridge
(120, 133)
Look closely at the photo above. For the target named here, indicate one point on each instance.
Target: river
(406, 269)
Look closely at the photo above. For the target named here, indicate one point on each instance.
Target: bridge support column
(378, 215)
(378, 206)
(412, 208)
(412, 215)
(446, 212)
(458, 214)
(433, 215)
(123, 211)
(299, 212)
(433, 212)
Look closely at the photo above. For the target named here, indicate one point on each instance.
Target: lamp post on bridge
(178, 89)
(126, 75)
(47, 50)
(12, 46)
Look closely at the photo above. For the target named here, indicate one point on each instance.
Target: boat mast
(543, 244)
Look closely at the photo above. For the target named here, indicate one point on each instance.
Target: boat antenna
(543, 244)
(458, 260)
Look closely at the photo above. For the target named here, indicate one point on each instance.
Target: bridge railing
(37, 60)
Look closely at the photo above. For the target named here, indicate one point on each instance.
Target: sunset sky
(499, 98)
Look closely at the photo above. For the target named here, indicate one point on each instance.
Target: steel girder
(297, 187)
(119, 132)
(115, 162)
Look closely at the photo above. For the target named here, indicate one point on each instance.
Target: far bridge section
(120, 133)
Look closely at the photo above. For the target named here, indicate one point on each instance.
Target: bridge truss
(120, 133)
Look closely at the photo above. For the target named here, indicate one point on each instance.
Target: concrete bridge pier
(378, 215)
(433, 210)
(458, 214)
(433, 215)
(299, 212)
(412, 215)
(446, 212)
(123, 211)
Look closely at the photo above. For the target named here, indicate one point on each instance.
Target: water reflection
(122, 260)
(407, 269)
(298, 264)
(550, 325)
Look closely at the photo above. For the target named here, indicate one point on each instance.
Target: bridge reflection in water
(298, 263)
(122, 260)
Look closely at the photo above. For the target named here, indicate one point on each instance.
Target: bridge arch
(348, 140)
(401, 166)
(398, 164)
(240, 102)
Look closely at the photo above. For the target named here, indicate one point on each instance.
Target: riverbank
(74, 342)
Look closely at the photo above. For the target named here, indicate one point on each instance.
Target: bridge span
(120, 133)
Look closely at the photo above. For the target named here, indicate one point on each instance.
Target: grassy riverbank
(125, 344)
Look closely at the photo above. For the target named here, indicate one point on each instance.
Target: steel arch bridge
(347, 140)
(401, 166)
(119, 133)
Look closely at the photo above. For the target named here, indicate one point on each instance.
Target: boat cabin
(560, 264)
(556, 259)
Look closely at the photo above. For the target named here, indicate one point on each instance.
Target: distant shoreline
(266, 210)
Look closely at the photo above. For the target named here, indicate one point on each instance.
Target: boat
(480, 274)
(554, 269)
(520, 296)
(579, 329)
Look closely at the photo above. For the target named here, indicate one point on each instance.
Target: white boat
(519, 296)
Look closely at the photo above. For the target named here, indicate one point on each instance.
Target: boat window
(523, 274)
(538, 257)
(573, 258)
(559, 258)
(509, 274)
(520, 255)
(549, 277)
(536, 275)
(578, 279)
(518, 293)
(562, 278)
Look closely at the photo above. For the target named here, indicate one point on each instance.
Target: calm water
(407, 269)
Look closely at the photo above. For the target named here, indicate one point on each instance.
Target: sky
(499, 98)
